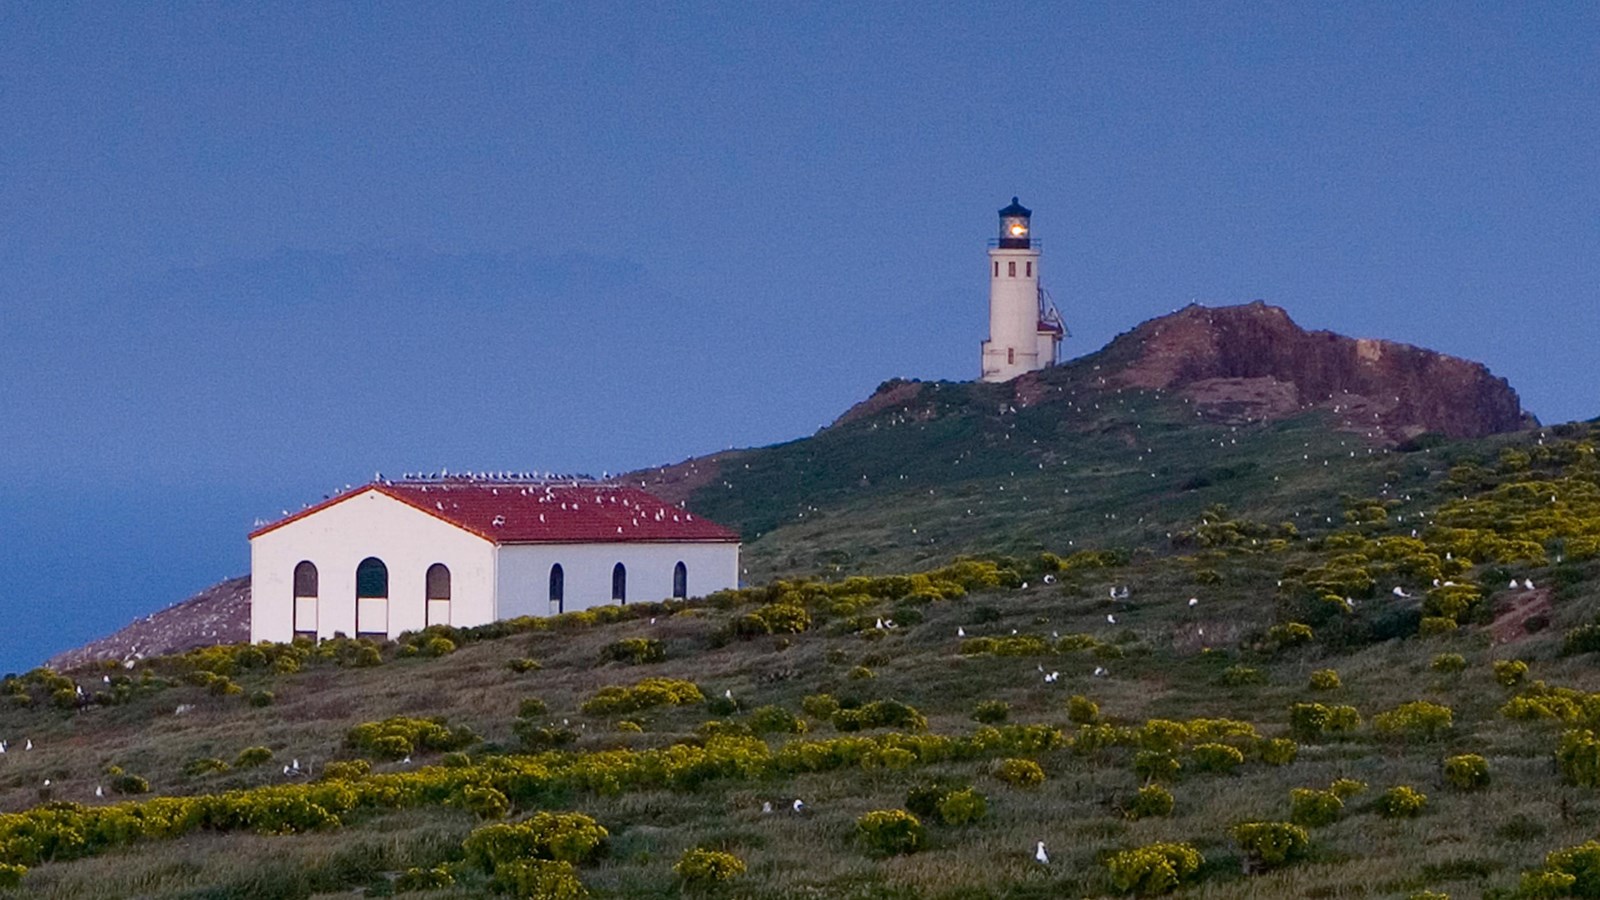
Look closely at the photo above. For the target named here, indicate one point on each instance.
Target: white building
(1025, 331)
(394, 557)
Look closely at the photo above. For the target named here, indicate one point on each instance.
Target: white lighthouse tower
(1025, 331)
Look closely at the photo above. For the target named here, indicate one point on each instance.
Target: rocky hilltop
(1254, 361)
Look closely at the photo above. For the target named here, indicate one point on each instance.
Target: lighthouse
(1025, 331)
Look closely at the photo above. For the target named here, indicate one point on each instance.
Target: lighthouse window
(1030, 270)
(1011, 268)
(997, 268)
(1011, 356)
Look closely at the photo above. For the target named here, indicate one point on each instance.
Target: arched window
(372, 597)
(558, 589)
(305, 579)
(438, 591)
(438, 582)
(619, 583)
(305, 599)
(680, 580)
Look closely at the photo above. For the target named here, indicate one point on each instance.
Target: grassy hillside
(967, 467)
(792, 690)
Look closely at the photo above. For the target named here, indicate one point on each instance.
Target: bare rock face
(1254, 362)
(220, 614)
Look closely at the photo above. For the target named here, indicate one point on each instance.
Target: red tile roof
(512, 512)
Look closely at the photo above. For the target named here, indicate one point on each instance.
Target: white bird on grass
(99, 791)
(28, 745)
(1193, 602)
(1040, 855)
(1527, 583)
(766, 806)
(960, 632)
(1100, 672)
(1513, 585)
(1399, 591)
(799, 805)
(1051, 677)
(1111, 619)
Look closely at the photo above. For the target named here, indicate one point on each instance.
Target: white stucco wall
(338, 538)
(1013, 345)
(524, 573)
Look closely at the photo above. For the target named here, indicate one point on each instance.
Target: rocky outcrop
(1254, 362)
(220, 614)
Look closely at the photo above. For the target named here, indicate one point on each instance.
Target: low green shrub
(523, 665)
(1434, 626)
(204, 765)
(1082, 711)
(1510, 672)
(1216, 758)
(991, 712)
(775, 720)
(634, 651)
(646, 694)
(540, 879)
(962, 807)
(400, 736)
(532, 708)
(819, 706)
(1545, 884)
(1325, 680)
(1289, 634)
(699, 868)
(438, 646)
(1150, 801)
(1023, 773)
(1344, 788)
(880, 714)
(1279, 751)
(252, 756)
(1467, 772)
(891, 832)
(1417, 719)
(1156, 765)
(1272, 844)
(1578, 757)
(1154, 869)
(1582, 862)
(133, 784)
(11, 875)
(262, 698)
(1313, 808)
(346, 770)
(1448, 663)
(1402, 802)
(1240, 675)
(484, 802)
(419, 879)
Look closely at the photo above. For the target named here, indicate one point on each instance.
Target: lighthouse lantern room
(1025, 331)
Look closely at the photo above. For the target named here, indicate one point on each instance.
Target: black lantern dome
(1015, 230)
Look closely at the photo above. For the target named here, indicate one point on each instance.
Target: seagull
(1111, 618)
(1399, 592)
(406, 761)
(799, 805)
(99, 791)
(1050, 678)
(1527, 583)
(960, 632)
(1193, 602)
(28, 745)
(1049, 579)
(1040, 855)
(880, 625)
(727, 693)
(1100, 672)
(652, 620)
(766, 806)
(1512, 585)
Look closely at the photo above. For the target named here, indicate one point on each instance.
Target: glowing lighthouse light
(1025, 331)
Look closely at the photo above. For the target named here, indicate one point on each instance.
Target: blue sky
(252, 253)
